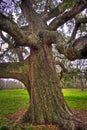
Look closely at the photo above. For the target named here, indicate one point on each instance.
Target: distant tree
(72, 73)
(38, 24)
(14, 84)
(2, 84)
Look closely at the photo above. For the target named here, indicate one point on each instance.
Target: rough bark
(47, 104)
(17, 71)
(21, 39)
(32, 17)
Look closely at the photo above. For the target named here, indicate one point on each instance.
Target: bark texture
(47, 104)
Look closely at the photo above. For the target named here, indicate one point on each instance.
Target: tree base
(63, 124)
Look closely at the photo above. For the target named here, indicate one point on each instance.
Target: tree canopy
(13, 20)
(26, 23)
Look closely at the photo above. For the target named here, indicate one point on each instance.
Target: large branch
(50, 37)
(53, 13)
(61, 65)
(63, 68)
(76, 50)
(77, 25)
(33, 18)
(13, 70)
(28, 11)
(20, 38)
(60, 20)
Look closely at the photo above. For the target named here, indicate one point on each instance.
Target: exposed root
(74, 124)
(27, 116)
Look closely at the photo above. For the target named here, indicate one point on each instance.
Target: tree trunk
(47, 104)
(82, 83)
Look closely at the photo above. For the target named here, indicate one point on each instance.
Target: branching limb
(53, 13)
(46, 6)
(13, 70)
(20, 38)
(76, 50)
(10, 27)
(50, 37)
(61, 65)
(7, 40)
(31, 16)
(26, 6)
(63, 68)
(58, 21)
(77, 25)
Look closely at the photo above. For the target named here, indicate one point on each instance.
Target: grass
(14, 100)
(76, 98)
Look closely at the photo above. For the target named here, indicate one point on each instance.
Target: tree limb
(19, 52)
(6, 40)
(8, 70)
(60, 20)
(61, 65)
(63, 68)
(53, 13)
(26, 6)
(13, 70)
(76, 50)
(77, 25)
(31, 16)
(46, 6)
(51, 37)
(20, 38)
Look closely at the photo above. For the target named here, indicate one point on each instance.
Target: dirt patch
(81, 114)
(16, 115)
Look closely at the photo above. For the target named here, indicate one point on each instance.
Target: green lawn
(76, 98)
(14, 100)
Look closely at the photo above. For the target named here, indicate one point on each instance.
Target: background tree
(72, 73)
(1, 84)
(10, 84)
(26, 22)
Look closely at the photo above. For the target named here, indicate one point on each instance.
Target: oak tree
(38, 71)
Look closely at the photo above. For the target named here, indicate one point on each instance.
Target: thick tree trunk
(47, 104)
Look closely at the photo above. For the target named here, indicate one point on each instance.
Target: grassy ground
(14, 100)
(76, 98)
